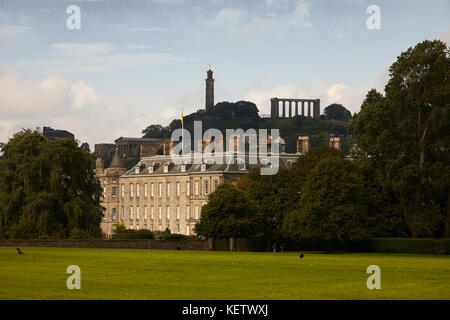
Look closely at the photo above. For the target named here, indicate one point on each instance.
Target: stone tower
(209, 91)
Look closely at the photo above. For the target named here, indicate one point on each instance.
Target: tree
(228, 214)
(156, 131)
(337, 112)
(406, 133)
(331, 206)
(47, 189)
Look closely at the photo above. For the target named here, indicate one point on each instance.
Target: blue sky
(137, 62)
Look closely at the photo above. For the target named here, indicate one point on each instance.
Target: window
(168, 189)
(178, 213)
(159, 228)
(178, 189)
(166, 169)
(206, 187)
(151, 227)
(160, 189)
(114, 212)
(137, 190)
(160, 212)
(183, 168)
(150, 169)
(137, 213)
(216, 183)
(104, 213)
(131, 190)
(203, 167)
(114, 192)
(104, 192)
(188, 188)
(152, 190)
(114, 181)
(152, 212)
(188, 212)
(122, 212)
(145, 212)
(196, 213)
(168, 213)
(145, 190)
(122, 190)
(187, 230)
(131, 213)
(178, 228)
(131, 227)
(196, 188)
(137, 227)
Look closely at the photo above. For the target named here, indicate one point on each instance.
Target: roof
(138, 139)
(218, 163)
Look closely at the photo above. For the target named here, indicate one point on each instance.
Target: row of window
(135, 214)
(160, 189)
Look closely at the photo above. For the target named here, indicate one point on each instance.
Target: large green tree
(228, 214)
(337, 112)
(331, 206)
(47, 189)
(406, 134)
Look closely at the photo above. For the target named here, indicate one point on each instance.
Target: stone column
(309, 109)
(275, 108)
(296, 108)
(290, 109)
(284, 109)
(303, 108)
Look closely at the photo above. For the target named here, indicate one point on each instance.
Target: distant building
(157, 193)
(52, 134)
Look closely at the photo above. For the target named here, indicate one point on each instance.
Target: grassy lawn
(155, 274)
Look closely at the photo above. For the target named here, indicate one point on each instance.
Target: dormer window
(150, 169)
(241, 164)
(166, 168)
(203, 167)
(137, 170)
(183, 168)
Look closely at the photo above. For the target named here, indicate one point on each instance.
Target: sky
(133, 63)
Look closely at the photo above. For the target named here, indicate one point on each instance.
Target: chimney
(168, 147)
(303, 145)
(99, 164)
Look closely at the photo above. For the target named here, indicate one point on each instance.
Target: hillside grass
(165, 275)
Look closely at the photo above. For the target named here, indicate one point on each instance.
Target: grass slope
(155, 274)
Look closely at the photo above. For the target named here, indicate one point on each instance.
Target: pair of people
(274, 247)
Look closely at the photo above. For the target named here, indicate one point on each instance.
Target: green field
(157, 274)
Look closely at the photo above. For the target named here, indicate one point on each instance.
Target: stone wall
(111, 244)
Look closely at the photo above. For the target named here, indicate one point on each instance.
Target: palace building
(158, 193)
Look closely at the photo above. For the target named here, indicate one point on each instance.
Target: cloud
(349, 95)
(20, 97)
(73, 106)
(146, 29)
(300, 16)
(93, 57)
(71, 49)
(12, 31)
(227, 17)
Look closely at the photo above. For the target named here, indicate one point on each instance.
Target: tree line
(396, 185)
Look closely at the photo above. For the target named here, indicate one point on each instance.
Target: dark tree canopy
(227, 214)
(240, 109)
(331, 205)
(156, 131)
(406, 134)
(47, 189)
(337, 112)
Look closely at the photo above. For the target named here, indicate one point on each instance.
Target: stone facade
(294, 107)
(157, 193)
